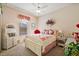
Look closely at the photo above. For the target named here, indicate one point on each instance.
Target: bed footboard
(34, 47)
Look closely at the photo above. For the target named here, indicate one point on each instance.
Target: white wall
(66, 19)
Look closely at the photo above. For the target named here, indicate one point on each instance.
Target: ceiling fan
(40, 5)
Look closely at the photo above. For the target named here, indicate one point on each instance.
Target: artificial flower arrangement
(50, 22)
(72, 49)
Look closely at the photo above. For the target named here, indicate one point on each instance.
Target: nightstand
(61, 41)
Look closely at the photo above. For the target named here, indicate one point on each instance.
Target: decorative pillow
(43, 38)
(51, 32)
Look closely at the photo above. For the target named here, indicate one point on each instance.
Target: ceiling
(45, 8)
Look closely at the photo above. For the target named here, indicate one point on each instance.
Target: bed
(40, 44)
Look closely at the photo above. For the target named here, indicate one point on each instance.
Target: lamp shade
(77, 25)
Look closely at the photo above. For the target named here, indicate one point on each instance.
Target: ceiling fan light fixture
(38, 11)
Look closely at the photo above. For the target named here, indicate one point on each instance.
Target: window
(23, 28)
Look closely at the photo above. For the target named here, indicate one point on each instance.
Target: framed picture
(33, 25)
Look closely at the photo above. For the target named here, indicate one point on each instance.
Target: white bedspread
(38, 42)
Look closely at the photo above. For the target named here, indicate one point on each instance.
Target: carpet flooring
(20, 50)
